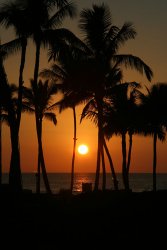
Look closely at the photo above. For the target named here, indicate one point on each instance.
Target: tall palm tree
(153, 118)
(122, 119)
(67, 79)
(12, 15)
(104, 40)
(44, 16)
(90, 111)
(40, 101)
(15, 179)
(70, 101)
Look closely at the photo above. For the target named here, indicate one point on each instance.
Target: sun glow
(83, 149)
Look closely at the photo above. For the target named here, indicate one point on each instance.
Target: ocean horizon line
(87, 172)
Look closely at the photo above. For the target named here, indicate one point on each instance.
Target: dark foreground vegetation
(106, 220)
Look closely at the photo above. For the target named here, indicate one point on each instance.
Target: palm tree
(70, 101)
(90, 111)
(153, 118)
(100, 59)
(15, 179)
(40, 101)
(43, 16)
(64, 74)
(104, 40)
(122, 119)
(12, 15)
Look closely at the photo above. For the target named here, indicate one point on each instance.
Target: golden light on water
(83, 149)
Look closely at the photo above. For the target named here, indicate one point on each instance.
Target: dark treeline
(89, 72)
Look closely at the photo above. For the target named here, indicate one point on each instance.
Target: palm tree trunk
(41, 156)
(74, 150)
(37, 59)
(97, 176)
(154, 161)
(114, 177)
(104, 170)
(20, 91)
(15, 180)
(0, 147)
(129, 156)
(124, 170)
(100, 140)
(38, 123)
(38, 177)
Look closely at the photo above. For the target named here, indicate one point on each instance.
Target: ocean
(61, 181)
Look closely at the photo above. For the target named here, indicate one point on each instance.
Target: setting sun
(83, 149)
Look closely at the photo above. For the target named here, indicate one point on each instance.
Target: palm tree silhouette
(122, 119)
(153, 118)
(10, 92)
(104, 40)
(68, 82)
(15, 180)
(12, 15)
(39, 101)
(69, 101)
(43, 16)
(90, 112)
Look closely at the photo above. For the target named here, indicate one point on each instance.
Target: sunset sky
(150, 20)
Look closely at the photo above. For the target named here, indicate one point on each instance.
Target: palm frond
(67, 10)
(54, 73)
(62, 40)
(51, 117)
(121, 36)
(58, 3)
(27, 108)
(11, 47)
(111, 34)
(28, 95)
(134, 62)
(90, 110)
(95, 23)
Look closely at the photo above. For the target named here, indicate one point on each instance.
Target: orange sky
(149, 18)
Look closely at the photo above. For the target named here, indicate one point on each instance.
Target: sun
(83, 149)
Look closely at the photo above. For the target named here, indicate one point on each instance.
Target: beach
(109, 219)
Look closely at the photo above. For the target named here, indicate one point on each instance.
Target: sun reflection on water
(79, 180)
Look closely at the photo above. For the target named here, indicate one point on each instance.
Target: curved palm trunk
(97, 176)
(41, 161)
(129, 152)
(124, 170)
(100, 140)
(74, 150)
(104, 170)
(38, 177)
(20, 91)
(38, 120)
(154, 161)
(114, 177)
(129, 156)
